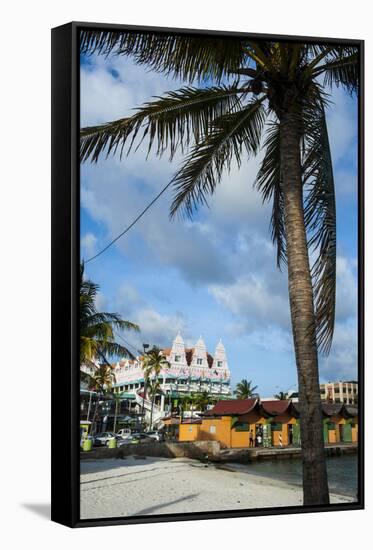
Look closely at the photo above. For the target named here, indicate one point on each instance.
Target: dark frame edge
(64, 479)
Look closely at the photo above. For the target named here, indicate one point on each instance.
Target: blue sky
(215, 276)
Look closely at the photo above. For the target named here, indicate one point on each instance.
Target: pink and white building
(192, 370)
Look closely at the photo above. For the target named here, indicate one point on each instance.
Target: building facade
(191, 371)
(346, 392)
(238, 423)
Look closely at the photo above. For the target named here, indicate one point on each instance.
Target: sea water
(342, 472)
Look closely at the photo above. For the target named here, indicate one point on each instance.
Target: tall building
(340, 392)
(192, 370)
(346, 392)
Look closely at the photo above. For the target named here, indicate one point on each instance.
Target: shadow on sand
(154, 509)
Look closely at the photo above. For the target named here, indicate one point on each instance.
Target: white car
(124, 433)
(103, 438)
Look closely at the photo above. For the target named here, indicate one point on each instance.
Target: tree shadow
(42, 510)
(155, 508)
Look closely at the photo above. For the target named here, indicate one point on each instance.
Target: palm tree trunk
(143, 404)
(151, 412)
(315, 484)
(115, 414)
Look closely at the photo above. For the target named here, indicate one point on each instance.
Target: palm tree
(154, 362)
(155, 389)
(97, 329)
(244, 389)
(254, 81)
(117, 398)
(204, 399)
(282, 396)
(103, 378)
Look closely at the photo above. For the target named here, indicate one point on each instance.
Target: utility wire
(127, 343)
(131, 224)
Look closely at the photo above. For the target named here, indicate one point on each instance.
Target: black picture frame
(65, 281)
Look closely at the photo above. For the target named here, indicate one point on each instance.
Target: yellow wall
(216, 429)
(239, 439)
(354, 431)
(284, 419)
(189, 432)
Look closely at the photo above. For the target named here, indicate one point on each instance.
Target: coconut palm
(251, 93)
(103, 378)
(97, 329)
(117, 398)
(282, 396)
(204, 399)
(244, 389)
(154, 388)
(153, 363)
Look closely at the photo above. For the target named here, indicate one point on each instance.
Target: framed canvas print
(207, 274)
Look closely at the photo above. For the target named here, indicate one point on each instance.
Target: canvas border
(65, 280)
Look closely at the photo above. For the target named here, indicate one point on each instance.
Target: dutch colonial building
(192, 370)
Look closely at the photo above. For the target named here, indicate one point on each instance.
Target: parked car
(103, 438)
(138, 437)
(124, 433)
(155, 435)
(128, 440)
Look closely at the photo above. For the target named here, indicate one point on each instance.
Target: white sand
(145, 486)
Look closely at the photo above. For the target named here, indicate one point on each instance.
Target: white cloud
(250, 297)
(88, 245)
(112, 87)
(158, 329)
(341, 364)
(346, 296)
(342, 125)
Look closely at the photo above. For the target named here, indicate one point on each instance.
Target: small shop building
(240, 423)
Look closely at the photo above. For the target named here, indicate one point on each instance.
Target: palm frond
(342, 71)
(173, 120)
(268, 183)
(112, 319)
(204, 166)
(320, 220)
(182, 56)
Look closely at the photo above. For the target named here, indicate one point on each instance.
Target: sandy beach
(145, 486)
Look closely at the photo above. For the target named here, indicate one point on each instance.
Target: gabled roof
(275, 407)
(332, 409)
(351, 411)
(189, 355)
(233, 407)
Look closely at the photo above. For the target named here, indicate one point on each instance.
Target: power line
(131, 224)
(127, 343)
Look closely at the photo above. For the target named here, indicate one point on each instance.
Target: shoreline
(129, 486)
(239, 467)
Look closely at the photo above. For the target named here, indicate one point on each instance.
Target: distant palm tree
(283, 83)
(97, 329)
(282, 396)
(153, 363)
(155, 388)
(117, 398)
(244, 389)
(103, 378)
(204, 399)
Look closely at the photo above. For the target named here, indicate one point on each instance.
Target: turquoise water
(342, 472)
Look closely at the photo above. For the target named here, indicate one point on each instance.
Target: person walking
(251, 439)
